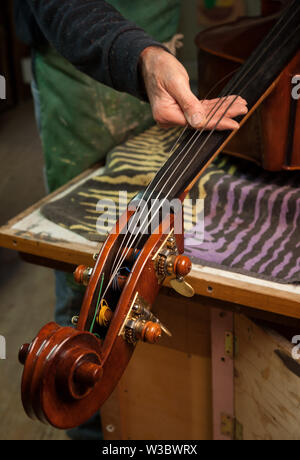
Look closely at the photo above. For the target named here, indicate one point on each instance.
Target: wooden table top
(31, 233)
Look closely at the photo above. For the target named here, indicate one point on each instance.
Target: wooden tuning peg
(82, 274)
(182, 266)
(148, 331)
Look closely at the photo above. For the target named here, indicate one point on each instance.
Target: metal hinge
(231, 427)
(231, 345)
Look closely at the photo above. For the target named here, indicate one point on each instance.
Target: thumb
(190, 105)
(196, 117)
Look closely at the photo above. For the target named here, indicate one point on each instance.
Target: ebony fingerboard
(251, 82)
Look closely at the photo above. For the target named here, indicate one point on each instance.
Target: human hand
(171, 98)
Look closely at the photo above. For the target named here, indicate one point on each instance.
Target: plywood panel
(187, 319)
(111, 417)
(267, 394)
(222, 370)
(165, 393)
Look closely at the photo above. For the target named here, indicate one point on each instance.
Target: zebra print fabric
(252, 221)
(251, 217)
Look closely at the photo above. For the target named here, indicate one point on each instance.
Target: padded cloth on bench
(251, 217)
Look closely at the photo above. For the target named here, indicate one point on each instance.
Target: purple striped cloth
(251, 221)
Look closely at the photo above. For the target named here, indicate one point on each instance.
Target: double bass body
(270, 137)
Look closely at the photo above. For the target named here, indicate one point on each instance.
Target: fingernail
(198, 119)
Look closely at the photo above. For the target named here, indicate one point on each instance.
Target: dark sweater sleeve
(96, 39)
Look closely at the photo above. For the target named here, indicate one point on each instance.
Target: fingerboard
(253, 80)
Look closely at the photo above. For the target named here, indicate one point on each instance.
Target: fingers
(215, 114)
(232, 107)
(222, 111)
(225, 123)
(229, 99)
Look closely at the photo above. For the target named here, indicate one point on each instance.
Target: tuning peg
(182, 266)
(182, 287)
(149, 332)
(141, 311)
(139, 329)
(82, 274)
(166, 331)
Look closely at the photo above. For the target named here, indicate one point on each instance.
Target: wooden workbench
(32, 234)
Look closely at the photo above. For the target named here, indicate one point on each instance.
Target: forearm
(96, 39)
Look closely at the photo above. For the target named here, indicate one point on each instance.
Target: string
(199, 134)
(98, 303)
(242, 77)
(197, 137)
(196, 154)
(124, 244)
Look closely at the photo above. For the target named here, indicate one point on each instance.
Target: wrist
(151, 52)
(145, 65)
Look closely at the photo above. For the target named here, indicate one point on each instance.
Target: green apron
(81, 119)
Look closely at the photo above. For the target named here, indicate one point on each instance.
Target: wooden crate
(267, 383)
(165, 392)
